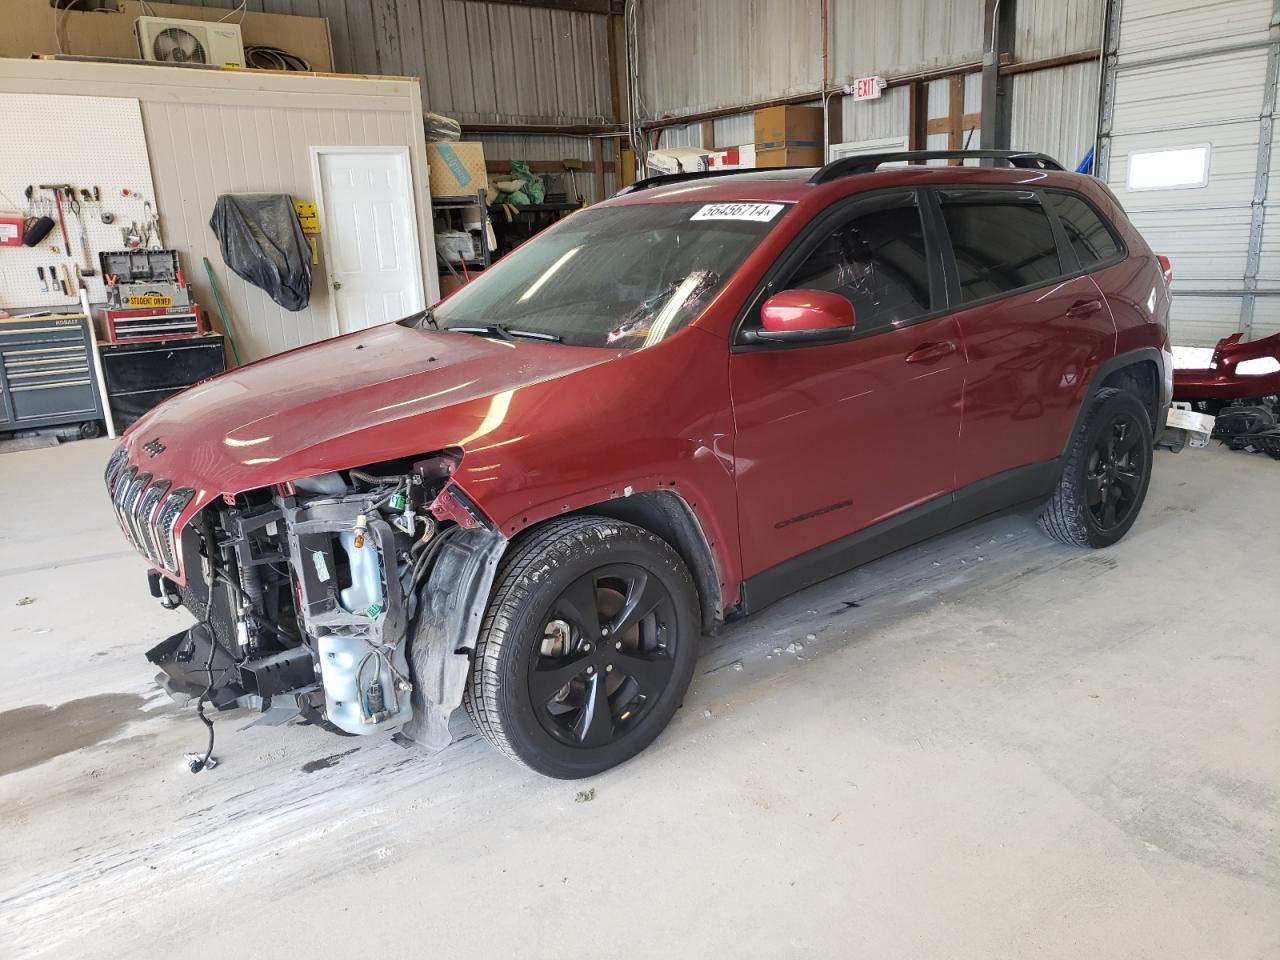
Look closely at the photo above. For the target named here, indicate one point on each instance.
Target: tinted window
(1089, 236)
(876, 260)
(1002, 241)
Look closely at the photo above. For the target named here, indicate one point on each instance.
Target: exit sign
(867, 88)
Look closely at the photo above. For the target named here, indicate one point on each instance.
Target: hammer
(57, 189)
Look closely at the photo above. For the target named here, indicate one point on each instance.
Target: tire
(1118, 426)
(540, 629)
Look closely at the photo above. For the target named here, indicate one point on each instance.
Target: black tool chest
(139, 376)
(46, 373)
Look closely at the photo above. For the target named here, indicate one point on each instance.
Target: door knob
(931, 352)
(337, 284)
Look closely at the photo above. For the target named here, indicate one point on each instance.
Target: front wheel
(1106, 474)
(587, 646)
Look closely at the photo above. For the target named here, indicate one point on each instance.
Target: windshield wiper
(503, 332)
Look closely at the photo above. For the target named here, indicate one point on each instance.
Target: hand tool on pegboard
(86, 265)
(57, 190)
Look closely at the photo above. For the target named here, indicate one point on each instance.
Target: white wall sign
(867, 88)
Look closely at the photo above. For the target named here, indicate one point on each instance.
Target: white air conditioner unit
(189, 41)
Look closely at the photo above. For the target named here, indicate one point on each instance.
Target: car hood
(387, 392)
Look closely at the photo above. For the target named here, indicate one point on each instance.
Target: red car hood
(382, 393)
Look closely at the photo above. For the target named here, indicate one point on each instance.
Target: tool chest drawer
(141, 375)
(46, 373)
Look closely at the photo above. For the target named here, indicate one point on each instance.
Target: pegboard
(84, 141)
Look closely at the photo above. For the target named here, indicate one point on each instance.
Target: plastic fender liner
(452, 606)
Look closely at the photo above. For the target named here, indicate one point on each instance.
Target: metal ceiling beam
(578, 6)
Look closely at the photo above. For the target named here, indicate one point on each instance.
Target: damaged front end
(351, 599)
(1240, 388)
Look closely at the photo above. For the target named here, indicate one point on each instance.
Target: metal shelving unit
(451, 206)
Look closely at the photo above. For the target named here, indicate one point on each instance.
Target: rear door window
(876, 258)
(1002, 239)
(1089, 236)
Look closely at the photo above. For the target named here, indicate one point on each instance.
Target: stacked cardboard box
(788, 137)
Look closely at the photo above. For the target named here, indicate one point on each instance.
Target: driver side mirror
(804, 316)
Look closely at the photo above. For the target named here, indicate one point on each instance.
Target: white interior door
(370, 237)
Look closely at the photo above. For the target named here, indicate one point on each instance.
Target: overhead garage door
(1187, 134)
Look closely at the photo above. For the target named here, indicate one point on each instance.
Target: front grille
(146, 510)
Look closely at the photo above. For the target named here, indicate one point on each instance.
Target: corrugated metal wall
(215, 132)
(479, 63)
(717, 53)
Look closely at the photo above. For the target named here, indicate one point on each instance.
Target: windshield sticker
(760, 212)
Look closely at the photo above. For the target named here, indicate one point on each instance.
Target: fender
(1110, 366)
(686, 521)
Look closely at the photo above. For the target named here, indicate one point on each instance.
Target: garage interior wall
(1203, 74)
(213, 132)
(481, 63)
(720, 54)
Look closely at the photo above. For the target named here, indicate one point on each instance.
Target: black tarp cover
(263, 242)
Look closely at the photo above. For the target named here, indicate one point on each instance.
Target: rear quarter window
(1090, 237)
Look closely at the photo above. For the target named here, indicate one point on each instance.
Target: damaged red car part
(1223, 379)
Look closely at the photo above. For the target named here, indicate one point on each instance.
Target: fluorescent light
(1180, 168)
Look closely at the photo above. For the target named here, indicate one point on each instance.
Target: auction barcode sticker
(760, 212)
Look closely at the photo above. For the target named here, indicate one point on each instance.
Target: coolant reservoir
(365, 593)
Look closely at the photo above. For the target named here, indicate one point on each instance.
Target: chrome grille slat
(131, 498)
(146, 512)
(147, 509)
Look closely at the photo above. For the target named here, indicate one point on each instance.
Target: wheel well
(667, 515)
(1143, 379)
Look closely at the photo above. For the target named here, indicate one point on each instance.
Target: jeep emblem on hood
(154, 447)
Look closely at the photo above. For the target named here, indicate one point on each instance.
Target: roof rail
(867, 163)
(667, 178)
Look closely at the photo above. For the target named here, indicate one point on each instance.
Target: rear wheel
(1106, 474)
(587, 647)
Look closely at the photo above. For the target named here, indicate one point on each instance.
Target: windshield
(623, 277)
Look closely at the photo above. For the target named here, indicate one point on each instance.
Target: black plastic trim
(868, 163)
(1004, 491)
(1110, 366)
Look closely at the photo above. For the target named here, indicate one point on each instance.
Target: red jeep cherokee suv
(672, 408)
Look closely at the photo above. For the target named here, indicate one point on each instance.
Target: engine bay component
(1253, 426)
(309, 596)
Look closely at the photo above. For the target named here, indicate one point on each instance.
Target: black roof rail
(667, 178)
(867, 163)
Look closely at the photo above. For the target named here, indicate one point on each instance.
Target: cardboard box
(456, 169)
(788, 127)
(789, 157)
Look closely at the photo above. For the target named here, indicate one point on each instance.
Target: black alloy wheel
(587, 646)
(1105, 472)
(606, 656)
(1117, 468)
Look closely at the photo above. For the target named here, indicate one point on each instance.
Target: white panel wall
(1189, 74)
(215, 132)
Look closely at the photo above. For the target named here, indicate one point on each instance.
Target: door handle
(1084, 308)
(931, 352)
(337, 284)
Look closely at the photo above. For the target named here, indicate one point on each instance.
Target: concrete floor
(988, 746)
